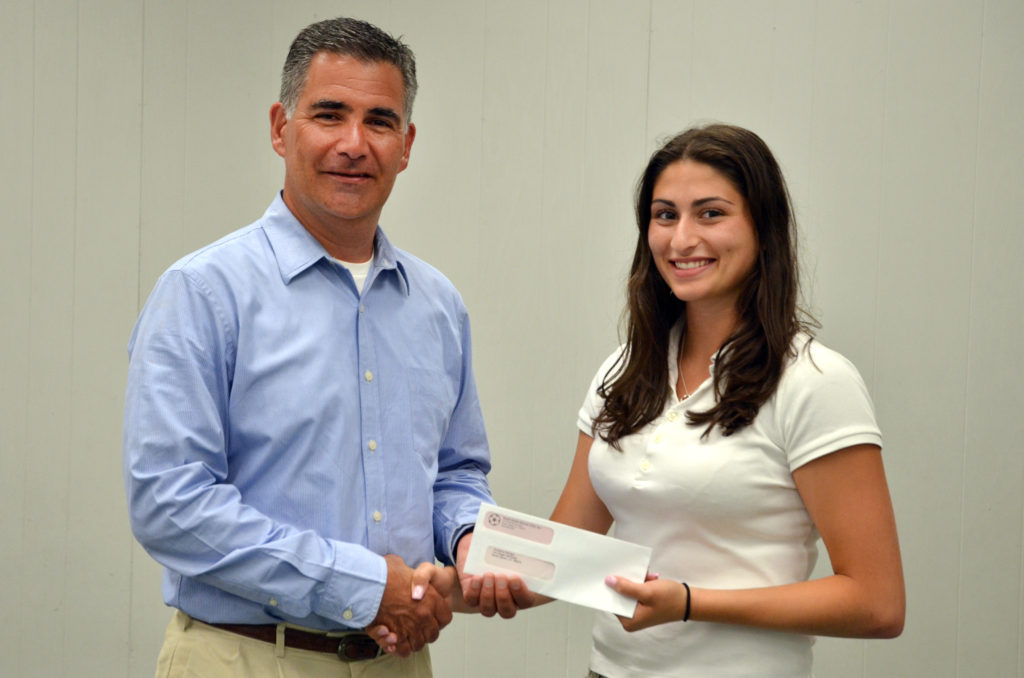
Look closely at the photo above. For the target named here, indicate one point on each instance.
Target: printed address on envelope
(557, 560)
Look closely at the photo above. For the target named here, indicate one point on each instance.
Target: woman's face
(701, 235)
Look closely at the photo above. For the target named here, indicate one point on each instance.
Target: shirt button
(377, 515)
(645, 465)
(368, 375)
(657, 438)
(672, 416)
(273, 602)
(362, 308)
(372, 445)
(347, 614)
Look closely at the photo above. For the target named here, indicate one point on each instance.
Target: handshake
(418, 603)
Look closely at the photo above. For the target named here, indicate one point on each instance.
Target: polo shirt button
(347, 614)
(372, 445)
(645, 465)
(672, 416)
(368, 375)
(377, 516)
(657, 438)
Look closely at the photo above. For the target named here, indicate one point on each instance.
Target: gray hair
(347, 37)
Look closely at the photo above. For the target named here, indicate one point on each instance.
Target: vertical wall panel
(842, 226)
(231, 171)
(43, 595)
(788, 129)
(512, 93)
(732, 69)
(923, 292)
(558, 370)
(615, 108)
(164, 97)
(990, 629)
(17, 108)
(105, 303)
(671, 100)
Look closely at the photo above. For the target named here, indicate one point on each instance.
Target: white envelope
(557, 560)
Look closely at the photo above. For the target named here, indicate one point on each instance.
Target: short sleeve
(822, 406)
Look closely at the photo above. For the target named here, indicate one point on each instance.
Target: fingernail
(381, 632)
(475, 584)
(516, 585)
(417, 593)
(502, 584)
(610, 580)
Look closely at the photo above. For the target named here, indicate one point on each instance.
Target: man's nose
(351, 140)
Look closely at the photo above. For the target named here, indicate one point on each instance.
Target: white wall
(136, 130)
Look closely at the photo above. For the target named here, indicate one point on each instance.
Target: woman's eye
(711, 214)
(664, 215)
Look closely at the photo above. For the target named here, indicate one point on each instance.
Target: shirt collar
(295, 248)
(675, 336)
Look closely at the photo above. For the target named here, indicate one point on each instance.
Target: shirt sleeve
(182, 505)
(463, 462)
(823, 406)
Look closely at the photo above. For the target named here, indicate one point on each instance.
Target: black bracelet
(686, 614)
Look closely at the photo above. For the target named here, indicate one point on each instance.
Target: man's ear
(278, 121)
(410, 135)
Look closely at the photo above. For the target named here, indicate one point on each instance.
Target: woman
(726, 439)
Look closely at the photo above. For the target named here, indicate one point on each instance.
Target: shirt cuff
(352, 594)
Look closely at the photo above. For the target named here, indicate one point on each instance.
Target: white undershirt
(359, 271)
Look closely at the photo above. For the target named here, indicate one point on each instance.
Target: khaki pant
(193, 649)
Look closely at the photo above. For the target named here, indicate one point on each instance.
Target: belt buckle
(357, 647)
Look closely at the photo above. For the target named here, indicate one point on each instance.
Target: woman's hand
(658, 601)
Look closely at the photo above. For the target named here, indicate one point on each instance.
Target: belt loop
(279, 645)
(186, 620)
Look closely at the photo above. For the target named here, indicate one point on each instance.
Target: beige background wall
(136, 130)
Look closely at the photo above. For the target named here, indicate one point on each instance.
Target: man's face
(344, 145)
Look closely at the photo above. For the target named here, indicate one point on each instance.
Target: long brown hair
(750, 363)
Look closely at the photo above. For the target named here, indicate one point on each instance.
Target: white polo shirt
(724, 512)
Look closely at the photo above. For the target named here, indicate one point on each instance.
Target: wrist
(457, 541)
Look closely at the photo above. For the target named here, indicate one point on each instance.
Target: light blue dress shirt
(282, 431)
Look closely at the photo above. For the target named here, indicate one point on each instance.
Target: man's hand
(403, 625)
(490, 593)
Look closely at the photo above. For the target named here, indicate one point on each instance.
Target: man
(302, 424)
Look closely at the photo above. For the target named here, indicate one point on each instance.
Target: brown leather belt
(352, 647)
